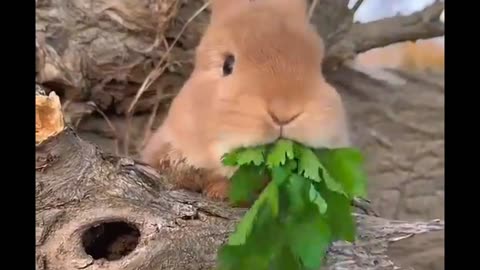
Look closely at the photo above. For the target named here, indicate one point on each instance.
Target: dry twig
(312, 8)
(154, 74)
(357, 5)
(159, 69)
(110, 125)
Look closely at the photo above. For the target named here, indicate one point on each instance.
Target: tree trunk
(97, 211)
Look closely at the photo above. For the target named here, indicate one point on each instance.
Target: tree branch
(357, 5)
(362, 37)
(419, 25)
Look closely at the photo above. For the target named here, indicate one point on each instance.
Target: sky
(377, 9)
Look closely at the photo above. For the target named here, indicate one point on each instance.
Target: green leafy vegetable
(309, 165)
(269, 197)
(338, 214)
(316, 198)
(305, 206)
(254, 155)
(310, 237)
(297, 190)
(346, 166)
(282, 150)
(248, 180)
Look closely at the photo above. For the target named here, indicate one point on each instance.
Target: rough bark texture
(78, 188)
(399, 123)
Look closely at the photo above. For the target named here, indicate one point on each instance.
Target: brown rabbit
(257, 78)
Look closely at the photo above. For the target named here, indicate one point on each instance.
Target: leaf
(297, 189)
(311, 167)
(240, 257)
(281, 151)
(346, 166)
(279, 175)
(272, 198)
(331, 183)
(269, 197)
(245, 182)
(317, 199)
(239, 236)
(308, 164)
(339, 214)
(291, 165)
(251, 155)
(263, 244)
(266, 236)
(285, 260)
(228, 257)
(230, 159)
(310, 238)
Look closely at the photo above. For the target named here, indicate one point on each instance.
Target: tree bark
(98, 211)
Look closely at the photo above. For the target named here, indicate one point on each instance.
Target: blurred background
(419, 56)
(402, 192)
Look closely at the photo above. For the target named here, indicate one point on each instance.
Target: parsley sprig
(303, 209)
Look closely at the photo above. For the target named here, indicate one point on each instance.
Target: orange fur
(419, 56)
(276, 77)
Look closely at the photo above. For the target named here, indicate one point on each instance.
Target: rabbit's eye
(228, 65)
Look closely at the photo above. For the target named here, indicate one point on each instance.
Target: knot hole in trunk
(110, 240)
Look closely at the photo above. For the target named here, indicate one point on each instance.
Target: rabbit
(257, 77)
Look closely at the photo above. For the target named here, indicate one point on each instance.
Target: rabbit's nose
(283, 119)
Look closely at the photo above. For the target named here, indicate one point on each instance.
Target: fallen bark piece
(48, 117)
(97, 211)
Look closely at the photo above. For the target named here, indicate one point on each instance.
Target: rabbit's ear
(294, 9)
